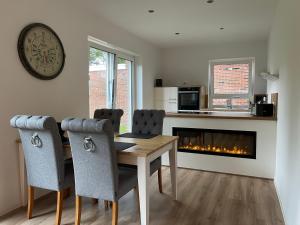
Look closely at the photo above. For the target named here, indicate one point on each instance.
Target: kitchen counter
(266, 131)
(221, 115)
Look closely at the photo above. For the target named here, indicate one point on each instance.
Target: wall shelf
(268, 76)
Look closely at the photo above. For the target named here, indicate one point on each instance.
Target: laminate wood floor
(205, 198)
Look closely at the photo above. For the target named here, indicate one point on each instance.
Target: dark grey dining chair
(114, 115)
(44, 158)
(150, 122)
(96, 170)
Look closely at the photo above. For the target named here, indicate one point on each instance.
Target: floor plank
(205, 198)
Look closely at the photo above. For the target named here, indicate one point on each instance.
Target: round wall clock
(41, 51)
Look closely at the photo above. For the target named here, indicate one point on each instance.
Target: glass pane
(220, 102)
(235, 102)
(240, 102)
(231, 79)
(123, 92)
(99, 80)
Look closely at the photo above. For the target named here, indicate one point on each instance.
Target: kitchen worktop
(221, 115)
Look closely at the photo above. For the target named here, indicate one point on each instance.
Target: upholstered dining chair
(114, 115)
(150, 122)
(44, 158)
(96, 170)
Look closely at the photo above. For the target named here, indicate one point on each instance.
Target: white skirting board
(264, 164)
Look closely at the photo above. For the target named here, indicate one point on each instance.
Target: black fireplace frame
(252, 133)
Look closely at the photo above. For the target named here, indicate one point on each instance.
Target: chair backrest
(94, 157)
(42, 150)
(114, 115)
(148, 121)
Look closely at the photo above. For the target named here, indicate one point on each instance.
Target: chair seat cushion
(154, 165)
(127, 180)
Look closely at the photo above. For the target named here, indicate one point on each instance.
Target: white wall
(190, 63)
(284, 58)
(64, 96)
(272, 87)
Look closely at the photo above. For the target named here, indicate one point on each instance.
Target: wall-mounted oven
(190, 99)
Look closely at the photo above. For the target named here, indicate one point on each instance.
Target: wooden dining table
(142, 154)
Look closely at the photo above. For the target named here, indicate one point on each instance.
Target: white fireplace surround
(264, 164)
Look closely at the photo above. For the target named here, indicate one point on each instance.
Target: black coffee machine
(262, 109)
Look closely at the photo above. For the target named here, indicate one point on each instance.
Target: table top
(143, 147)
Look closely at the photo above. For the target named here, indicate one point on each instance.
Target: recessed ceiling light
(210, 1)
(151, 11)
(177, 33)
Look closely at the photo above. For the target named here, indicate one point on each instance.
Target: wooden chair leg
(30, 201)
(78, 210)
(59, 205)
(160, 181)
(115, 210)
(106, 204)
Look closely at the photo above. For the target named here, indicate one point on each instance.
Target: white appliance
(166, 98)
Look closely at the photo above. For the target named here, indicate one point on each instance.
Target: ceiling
(196, 20)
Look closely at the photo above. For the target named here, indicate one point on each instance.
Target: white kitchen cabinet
(166, 98)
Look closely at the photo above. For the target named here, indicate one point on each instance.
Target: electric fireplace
(231, 143)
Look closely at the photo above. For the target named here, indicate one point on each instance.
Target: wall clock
(41, 51)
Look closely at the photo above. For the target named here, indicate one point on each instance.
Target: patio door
(110, 83)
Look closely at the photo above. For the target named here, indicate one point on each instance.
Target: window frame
(229, 61)
(117, 53)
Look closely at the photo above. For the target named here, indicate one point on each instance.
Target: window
(110, 83)
(123, 92)
(231, 83)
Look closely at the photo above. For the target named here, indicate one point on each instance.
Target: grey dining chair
(150, 122)
(96, 170)
(114, 115)
(44, 158)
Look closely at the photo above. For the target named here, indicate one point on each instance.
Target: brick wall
(98, 92)
(122, 97)
(228, 79)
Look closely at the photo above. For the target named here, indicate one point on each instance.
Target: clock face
(41, 51)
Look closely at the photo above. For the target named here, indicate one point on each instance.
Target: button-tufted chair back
(42, 150)
(148, 121)
(114, 115)
(94, 157)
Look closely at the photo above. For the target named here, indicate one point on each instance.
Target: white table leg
(173, 169)
(143, 180)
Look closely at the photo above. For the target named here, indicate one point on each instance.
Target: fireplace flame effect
(217, 149)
